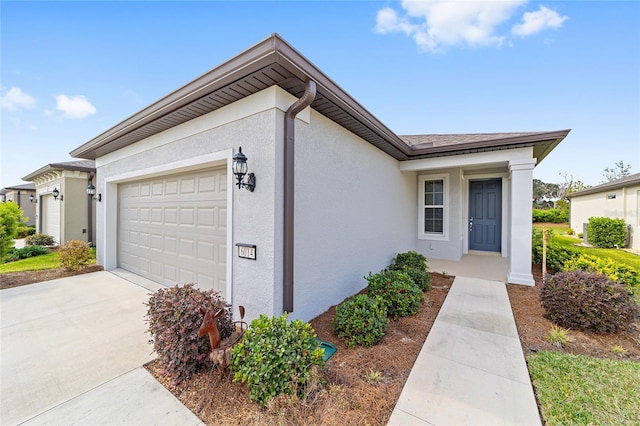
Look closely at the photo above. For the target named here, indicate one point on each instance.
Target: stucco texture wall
(625, 205)
(354, 210)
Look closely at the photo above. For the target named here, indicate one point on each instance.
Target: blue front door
(485, 214)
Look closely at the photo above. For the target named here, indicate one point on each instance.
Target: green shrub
(570, 231)
(580, 235)
(276, 357)
(588, 302)
(550, 216)
(40, 240)
(557, 254)
(398, 292)
(361, 320)
(617, 272)
(10, 221)
(605, 232)
(28, 251)
(174, 318)
(415, 265)
(24, 231)
(75, 255)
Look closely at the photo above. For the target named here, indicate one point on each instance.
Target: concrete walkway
(71, 352)
(471, 369)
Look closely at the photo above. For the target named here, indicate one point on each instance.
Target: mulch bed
(16, 279)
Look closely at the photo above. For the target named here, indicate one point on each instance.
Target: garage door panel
(173, 229)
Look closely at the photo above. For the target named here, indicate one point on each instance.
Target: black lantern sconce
(239, 167)
(33, 199)
(91, 190)
(56, 194)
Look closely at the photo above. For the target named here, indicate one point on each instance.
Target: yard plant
(606, 232)
(27, 252)
(10, 222)
(397, 290)
(588, 302)
(174, 318)
(40, 240)
(361, 320)
(75, 255)
(415, 265)
(276, 356)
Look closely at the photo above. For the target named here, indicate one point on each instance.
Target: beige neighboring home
(64, 209)
(619, 199)
(22, 195)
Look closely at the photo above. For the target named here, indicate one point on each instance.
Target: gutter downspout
(289, 174)
(90, 215)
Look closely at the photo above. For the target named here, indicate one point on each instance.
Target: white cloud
(15, 98)
(438, 24)
(540, 20)
(75, 107)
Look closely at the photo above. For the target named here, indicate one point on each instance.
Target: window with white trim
(433, 204)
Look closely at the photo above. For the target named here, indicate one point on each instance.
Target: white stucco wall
(625, 205)
(354, 210)
(205, 142)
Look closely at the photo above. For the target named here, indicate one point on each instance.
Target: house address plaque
(246, 251)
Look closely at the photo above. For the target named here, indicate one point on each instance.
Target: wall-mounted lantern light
(56, 194)
(33, 199)
(91, 190)
(239, 168)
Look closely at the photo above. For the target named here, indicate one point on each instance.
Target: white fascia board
(504, 157)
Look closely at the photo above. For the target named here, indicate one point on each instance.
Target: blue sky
(71, 70)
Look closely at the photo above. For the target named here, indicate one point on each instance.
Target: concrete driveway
(72, 350)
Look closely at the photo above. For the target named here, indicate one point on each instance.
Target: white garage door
(51, 217)
(172, 229)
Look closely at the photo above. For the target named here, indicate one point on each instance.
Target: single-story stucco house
(64, 210)
(619, 199)
(173, 212)
(23, 195)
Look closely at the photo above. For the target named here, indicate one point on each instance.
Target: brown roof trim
(630, 180)
(273, 50)
(277, 63)
(24, 187)
(81, 166)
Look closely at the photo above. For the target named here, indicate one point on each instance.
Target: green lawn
(576, 389)
(629, 259)
(46, 261)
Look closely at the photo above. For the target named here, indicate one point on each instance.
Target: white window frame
(444, 235)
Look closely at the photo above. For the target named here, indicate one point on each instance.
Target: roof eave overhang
(543, 143)
(57, 167)
(273, 50)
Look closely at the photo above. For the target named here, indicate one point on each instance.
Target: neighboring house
(619, 199)
(171, 210)
(64, 210)
(22, 196)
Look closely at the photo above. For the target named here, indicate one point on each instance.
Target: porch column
(521, 176)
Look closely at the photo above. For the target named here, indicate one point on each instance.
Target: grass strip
(577, 389)
(37, 263)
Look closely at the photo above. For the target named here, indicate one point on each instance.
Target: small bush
(10, 221)
(39, 240)
(605, 232)
(557, 254)
(550, 216)
(580, 235)
(398, 292)
(361, 320)
(75, 255)
(174, 320)
(559, 336)
(617, 272)
(588, 302)
(570, 231)
(276, 357)
(28, 251)
(24, 231)
(415, 265)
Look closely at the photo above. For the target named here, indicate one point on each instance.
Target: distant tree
(618, 171)
(544, 194)
(10, 218)
(570, 185)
